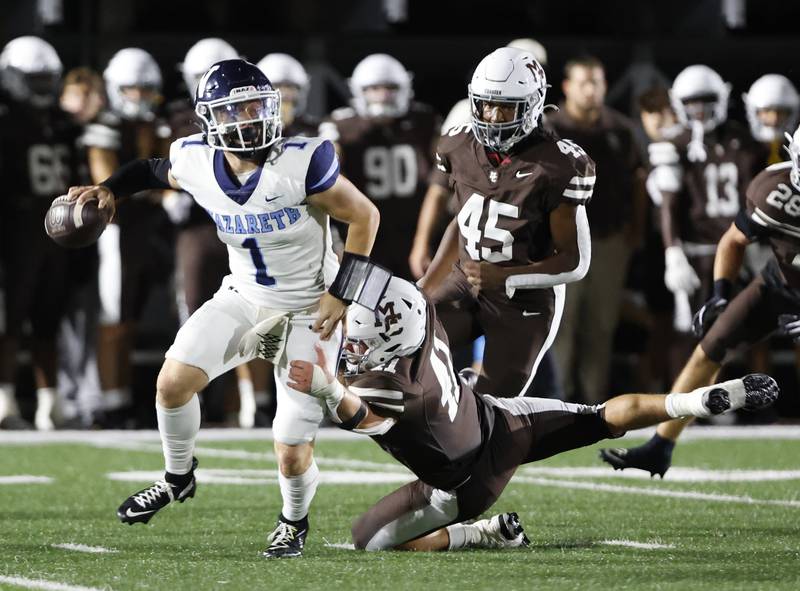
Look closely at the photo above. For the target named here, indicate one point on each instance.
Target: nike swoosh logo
(268, 199)
(526, 313)
(130, 513)
(521, 174)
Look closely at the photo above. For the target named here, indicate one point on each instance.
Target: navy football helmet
(240, 109)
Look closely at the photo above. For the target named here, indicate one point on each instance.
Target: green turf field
(718, 525)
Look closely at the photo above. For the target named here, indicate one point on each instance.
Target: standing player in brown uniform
(701, 177)
(386, 143)
(131, 256)
(464, 447)
(771, 301)
(521, 232)
(38, 158)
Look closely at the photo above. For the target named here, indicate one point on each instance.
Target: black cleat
(141, 506)
(644, 457)
(287, 539)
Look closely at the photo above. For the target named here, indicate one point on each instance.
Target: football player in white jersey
(271, 198)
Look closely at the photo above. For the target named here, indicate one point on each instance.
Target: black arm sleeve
(139, 175)
(748, 227)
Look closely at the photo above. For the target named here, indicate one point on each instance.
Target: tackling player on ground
(270, 198)
(521, 232)
(770, 302)
(464, 447)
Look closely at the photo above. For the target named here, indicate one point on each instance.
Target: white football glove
(266, 339)
(679, 274)
(178, 206)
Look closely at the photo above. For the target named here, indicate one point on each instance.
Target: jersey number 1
(258, 262)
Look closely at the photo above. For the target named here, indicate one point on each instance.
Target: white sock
(45, 401)
(679, 404)
(116, 398)
(461, 535)
(261, 397)
(178, 428)
(8, 403)
(298, 492)
(247, 404)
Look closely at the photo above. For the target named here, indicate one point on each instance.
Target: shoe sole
(760, 391)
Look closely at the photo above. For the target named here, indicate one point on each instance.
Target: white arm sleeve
(543, 280)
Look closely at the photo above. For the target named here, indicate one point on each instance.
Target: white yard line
(639, 545)
(250, 477)
(655, 492)
(675, 474)
(340, 546)
(25, 479)
(85, 548)
(241, 454)
(791, 432)
(43, 584)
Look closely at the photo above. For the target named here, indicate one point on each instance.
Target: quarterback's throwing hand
(330, 313)
(103, 195)
(485, 275)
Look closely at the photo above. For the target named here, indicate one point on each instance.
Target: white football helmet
(514, 77)
(133, 68)
(283, 70)
(395, 329)
(531, 46)
(201, 56)
(700, 82)
(771, 91)
(381, 69)
(793, 147)
(30, 69)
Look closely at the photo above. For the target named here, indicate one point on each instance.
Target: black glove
(711, 310)
(789, 325)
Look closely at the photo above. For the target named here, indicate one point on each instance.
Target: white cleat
(500, 531)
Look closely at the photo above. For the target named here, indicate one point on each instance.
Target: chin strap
(697, 151)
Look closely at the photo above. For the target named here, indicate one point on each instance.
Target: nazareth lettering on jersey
(279, 246)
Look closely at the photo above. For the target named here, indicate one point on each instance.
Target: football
(74, 225)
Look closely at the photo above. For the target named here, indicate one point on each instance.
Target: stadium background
(639, 43)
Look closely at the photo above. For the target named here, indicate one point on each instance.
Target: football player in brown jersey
(38, 161)
(770, 302)
(462, 446)
(521, 232)
(699, 179)
(386, 143)
(772, 105)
